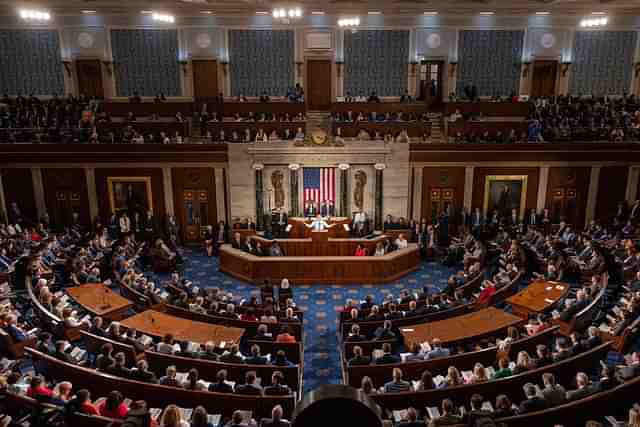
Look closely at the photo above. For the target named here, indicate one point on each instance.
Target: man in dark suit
(354, 335)
(221, 386)
(277, 388)
(532, 402)
(142, 373)
(358, 359)
(584, 388)
(249, 388)
(263, 334)
(385, 332)
(279, 221)
(448, 417)
(310, 209)
(236, 243)
(255, 358)
(412, 419)
(475, 416)
(531, 219)
(387, 357)
(574, 307)
(276, 419)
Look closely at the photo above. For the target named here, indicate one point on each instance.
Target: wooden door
(431, 81)
(544, 78)
(205, 78)
(318, 90)
(89, 73)
(195, 214)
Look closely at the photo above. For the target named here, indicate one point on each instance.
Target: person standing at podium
(310, 209)
(319, 224)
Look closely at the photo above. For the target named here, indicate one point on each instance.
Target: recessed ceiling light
(431, 13)
(206, 12)
(146, 12)
(543, 13)
(598, 13)
(374, 12)
(486, 13)
(317, 12)
(262, 12)
(88, 12)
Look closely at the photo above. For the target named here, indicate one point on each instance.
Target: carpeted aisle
(319, 303)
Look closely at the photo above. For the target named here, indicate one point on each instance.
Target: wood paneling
(194, 179)
(441, 177)
(205, 78)
(544, 78)
(65, 192)
(318, 91)
(570, 178)
(18, 187)
(611, 191)
(156, 187)
(89, 72)
(479, 183)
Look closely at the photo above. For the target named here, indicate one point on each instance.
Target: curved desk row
(319, 269)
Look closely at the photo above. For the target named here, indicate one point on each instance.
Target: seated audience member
(553, 393)
(221, 385)
(113, 406)
(354, 335)
(387, 357)
(584, 388)
(366, 386)
(142, 373)
(256, 358)
(358, 359)
(166, 346)
(426, 382)
(285, 336)
(119, 369)
(448, 416)
(172, 417)
(61, 393)
(532, 402)
(477, 416)
(170, 377)
(84, 404)
(397, 384)
(504, 407)
(263, 334)
(105, 359)
(38, 390)
(384, 332)
(192, 382)
(276, 419)
(563, 351)
(277, 388)
(437, 350)
(281, 359)
(250, 387)
(412, 419)
(503, 369)
(232, 355)
(199, 418)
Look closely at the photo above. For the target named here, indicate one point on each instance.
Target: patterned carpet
(319, 302)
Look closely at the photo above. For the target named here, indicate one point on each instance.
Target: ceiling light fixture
(431, 13)
(374, 12)
(206, 12)
(35, 15)
(88, 12)
(594, 22)
(146, 12)
(317, 12)
(487, 13)
(262, 12)
(163, 17)
(598, 13)
(349, 22)
(286, 15)
(543, 13)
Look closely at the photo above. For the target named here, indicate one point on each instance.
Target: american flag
(319, 185)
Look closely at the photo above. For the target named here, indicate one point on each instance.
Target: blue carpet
(319, 303)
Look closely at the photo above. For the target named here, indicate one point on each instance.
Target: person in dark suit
(119, 369)
(236, 243)
(221, 386)
(263, 334)
(532, 402)
(448, 417)
(60, 353)
(255, 358)
(385, 332)
(412, 419)
(387, 357)
(276, 419)
(277, 388)
(574, 307)
(354, 335)
(358, 359)
(563, 350)
(142, 373)
(475, 416)
(584, 388)
(532, 219)
(233, 355)
(250, 388)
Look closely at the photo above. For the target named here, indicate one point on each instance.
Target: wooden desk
(493, 127)
(298, 229)
(539, 297)
(158, 324)
(101, 301)
(458, 329)
(319, 269)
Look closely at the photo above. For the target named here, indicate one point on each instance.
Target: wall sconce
(225, 67)
(184, 65)
(339, 66)
(67, 67)
(525, 70)
(564, 68)
(108, 65)
(453, 67)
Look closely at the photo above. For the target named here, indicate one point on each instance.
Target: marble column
(631, 193)
(468, 188)
(592, 197)
(543, 183)
(92, 196)
(344, 191)
(167, 186)
(293, 191)
(259, 197)
(379, 196)
(38, 191)
(416, 211)
(221, 202)
(3, 202)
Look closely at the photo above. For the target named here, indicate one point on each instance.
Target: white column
(221, 208)
(592, 197)
(90, 176)
(468, 187)
(631, 193)
(417, 193)
(167, 185)
(3, 201)
(38, 191)
(543, 183)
